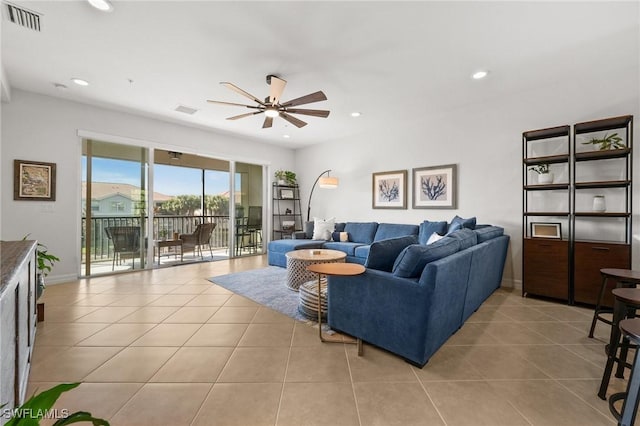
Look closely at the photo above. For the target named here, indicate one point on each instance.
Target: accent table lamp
(325, 182)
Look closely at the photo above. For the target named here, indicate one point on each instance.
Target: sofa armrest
(383, 253)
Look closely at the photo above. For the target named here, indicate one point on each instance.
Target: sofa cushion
(382, 254)
(435, 237)
(349, 247)
(394, 230)
(469, 223)
(285, 246)
(361, 232)
(412, 260)
(322, 229)
(488, 232)
(467, 238)
(363, 251)
(308, 229)
(427, 228)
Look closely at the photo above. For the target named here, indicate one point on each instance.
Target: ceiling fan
(272, 107)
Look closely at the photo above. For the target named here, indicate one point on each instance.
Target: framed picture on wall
(435, 187)
(34, 180)
(390, 190)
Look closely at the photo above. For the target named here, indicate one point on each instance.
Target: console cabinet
(18, 318)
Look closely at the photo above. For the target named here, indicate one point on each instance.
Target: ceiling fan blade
(291, 119)
(236, 117)
(268, 122)
(277, 86)
(307, 99)
(231, 103)
(242, 92)
(313, 112)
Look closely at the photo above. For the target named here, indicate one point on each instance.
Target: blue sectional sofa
(362, 236)
(415, 293)
(427, 296)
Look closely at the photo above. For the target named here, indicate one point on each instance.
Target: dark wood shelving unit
(546, 262)
(590, 256)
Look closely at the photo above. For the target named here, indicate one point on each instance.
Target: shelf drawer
(589, 258)
(546, 268)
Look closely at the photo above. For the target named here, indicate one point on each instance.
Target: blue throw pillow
(412, 260)
(464, 223)
(427, 228)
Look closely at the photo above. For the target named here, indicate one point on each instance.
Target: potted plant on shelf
(285, 177)
(608, 142)
(545, 177)
(45, 261)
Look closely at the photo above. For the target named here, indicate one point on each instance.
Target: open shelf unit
(287, 211)
(568, 268)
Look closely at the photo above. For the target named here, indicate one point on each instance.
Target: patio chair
(126, 243)
(201, 236)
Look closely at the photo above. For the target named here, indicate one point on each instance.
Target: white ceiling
(393, 61)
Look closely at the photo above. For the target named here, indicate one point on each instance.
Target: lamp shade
(328, 182)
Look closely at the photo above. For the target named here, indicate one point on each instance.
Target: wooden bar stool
(630, 329)
(623, 278)
(626, 301)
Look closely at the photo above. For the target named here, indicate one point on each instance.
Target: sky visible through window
(169, 180)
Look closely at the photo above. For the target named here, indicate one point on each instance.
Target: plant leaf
(39, 403)
(81, 416)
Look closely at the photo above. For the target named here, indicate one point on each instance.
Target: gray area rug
(265, 286)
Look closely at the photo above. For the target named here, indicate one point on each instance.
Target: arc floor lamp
(325, 182)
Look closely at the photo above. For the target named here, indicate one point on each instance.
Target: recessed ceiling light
(286, 136)
(480, 74)
(103, 5)
(80, 82)
(356, 114)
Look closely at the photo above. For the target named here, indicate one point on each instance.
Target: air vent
(23, 17)
(186, 109)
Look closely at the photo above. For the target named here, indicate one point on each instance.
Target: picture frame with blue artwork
(389, 190)
(435, 187)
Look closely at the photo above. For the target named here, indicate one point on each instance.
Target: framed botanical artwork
(286, 194)
(390, 190)
(34, 180)
(435, 187)
(546, 230)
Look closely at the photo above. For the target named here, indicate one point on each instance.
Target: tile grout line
(424, 389)
(353, 386)
(286, 370)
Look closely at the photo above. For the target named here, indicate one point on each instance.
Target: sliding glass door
(248, 185)
(114, 207)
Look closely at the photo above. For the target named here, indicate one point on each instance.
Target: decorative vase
(599, 203)
(545, 178)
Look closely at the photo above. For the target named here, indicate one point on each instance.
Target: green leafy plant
(541, 169)
(45, 259)
(287, 176)
(39, 406)
(612, 141)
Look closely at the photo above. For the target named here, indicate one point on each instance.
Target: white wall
(484, 140)
(42, 128)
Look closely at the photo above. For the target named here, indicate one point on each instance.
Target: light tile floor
(167, 347)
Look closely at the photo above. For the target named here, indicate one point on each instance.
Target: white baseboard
(59, 279)
(514, 284)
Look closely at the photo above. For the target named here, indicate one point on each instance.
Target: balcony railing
(164, 227)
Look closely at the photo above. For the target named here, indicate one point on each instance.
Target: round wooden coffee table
(298, 260)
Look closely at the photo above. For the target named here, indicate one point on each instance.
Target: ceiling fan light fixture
(271, 112)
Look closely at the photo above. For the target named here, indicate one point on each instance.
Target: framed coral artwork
(34, 180)
(390, 190)
(435, 187)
